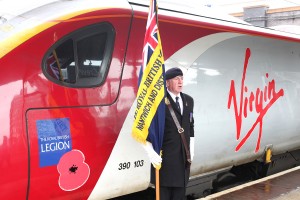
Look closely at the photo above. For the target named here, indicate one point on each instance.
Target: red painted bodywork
(96, 114)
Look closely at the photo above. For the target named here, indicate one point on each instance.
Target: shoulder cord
(180, 131)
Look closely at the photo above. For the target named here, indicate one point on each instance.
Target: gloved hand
(192, 147)
(154, 158)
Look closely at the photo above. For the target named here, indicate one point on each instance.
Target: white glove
(192, 147)
(154, 158)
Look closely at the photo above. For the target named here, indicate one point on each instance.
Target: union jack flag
(151, 37)
(149, 118)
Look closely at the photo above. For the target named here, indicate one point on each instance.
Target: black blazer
(173, 172)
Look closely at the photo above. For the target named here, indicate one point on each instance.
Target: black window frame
(75, 36)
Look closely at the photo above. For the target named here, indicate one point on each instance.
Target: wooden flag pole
(157, 183)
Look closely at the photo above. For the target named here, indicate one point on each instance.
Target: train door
(73, 119)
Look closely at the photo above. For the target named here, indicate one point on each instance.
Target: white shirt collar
(173, 96)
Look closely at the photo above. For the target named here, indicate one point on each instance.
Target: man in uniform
(175, 168)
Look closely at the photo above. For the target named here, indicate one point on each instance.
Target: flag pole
(157, 184)
(149, 107)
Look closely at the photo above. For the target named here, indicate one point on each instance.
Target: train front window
(90, 54)
(82, 58)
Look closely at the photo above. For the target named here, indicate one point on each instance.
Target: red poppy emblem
(74, 172)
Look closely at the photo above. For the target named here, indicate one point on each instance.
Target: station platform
(281, 186)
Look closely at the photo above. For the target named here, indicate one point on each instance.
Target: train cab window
(82, 58)
(90, 55)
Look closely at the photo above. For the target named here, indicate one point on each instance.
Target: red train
(69, 73)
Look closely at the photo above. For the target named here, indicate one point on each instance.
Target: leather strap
(180, 131)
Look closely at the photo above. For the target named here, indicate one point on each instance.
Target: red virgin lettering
(260, 100)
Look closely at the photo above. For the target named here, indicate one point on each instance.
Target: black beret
(173, 72)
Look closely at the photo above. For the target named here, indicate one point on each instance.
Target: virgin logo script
(260, 100)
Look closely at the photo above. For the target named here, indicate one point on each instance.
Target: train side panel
(246, 98)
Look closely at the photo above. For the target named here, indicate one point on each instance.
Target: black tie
(177, 103)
